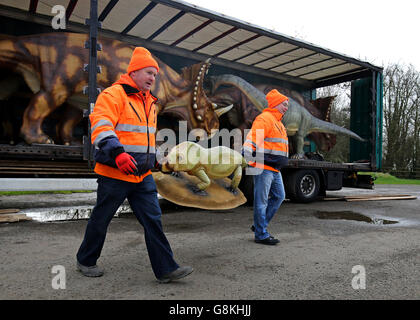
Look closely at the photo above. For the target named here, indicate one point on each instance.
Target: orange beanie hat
(141, 58)
(274, 98)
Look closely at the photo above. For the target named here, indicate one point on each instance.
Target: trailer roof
(188, 30)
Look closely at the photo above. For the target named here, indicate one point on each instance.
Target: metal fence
(403, 174)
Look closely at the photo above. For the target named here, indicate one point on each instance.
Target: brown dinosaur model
(52, 66)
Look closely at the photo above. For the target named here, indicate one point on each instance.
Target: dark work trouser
(143, 200)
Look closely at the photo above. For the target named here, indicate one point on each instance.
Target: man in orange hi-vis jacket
(266, 148)
(123, 124)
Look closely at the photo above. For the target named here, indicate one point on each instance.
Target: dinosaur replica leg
(205, 181)
(236, 179)
(40, 106)
(71, 116)
(299, 142)
(6, 125)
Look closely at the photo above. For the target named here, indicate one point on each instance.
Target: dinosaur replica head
(183, 157)
(193, 105)
(247, 100)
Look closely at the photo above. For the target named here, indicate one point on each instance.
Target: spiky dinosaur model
(52, 66)
(319, 108)
(214, 163)
(298, 121)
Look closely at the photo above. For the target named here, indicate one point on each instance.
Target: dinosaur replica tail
(318, 125)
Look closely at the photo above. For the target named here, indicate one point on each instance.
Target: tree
(416, 142)
(401, 117)
(401, 129)
(340, 115)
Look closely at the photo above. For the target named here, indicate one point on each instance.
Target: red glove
(126, 163)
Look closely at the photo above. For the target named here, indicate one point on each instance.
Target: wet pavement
(322, 247)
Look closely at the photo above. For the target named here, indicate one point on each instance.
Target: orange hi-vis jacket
(124, 120)
(266, 146)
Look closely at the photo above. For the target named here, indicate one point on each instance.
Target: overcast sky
(377, 31)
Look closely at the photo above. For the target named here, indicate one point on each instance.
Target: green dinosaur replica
(299, 122)
(214, 163)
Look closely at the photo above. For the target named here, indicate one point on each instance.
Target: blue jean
(143, 200)
(268, 195)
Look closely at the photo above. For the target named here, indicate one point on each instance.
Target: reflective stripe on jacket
(266, 146)
(124, 120)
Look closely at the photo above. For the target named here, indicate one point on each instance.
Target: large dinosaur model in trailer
(298, 121)
(319, 108)
(52, 67)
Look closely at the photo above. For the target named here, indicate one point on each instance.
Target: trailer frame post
(373, 106)
(92, 90)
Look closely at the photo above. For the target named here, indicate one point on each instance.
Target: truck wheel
(302, 186)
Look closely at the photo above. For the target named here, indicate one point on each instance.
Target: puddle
(67, 213)
(185, 226)
(351, 215)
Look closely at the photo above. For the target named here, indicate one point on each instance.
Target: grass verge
(386, 178)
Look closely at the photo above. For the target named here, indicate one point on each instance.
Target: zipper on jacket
(147, 119)
(135, 111)
(147, 125)
(147, 128)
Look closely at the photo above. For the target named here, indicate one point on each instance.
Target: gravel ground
(314, 260)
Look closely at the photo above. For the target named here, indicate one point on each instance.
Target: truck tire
(302, 186)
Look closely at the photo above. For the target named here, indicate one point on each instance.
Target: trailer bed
(313, 164)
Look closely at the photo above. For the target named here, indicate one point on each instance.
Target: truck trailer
(181, 34)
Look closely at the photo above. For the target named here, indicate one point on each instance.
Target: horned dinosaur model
(214, 163)
(52, 66)
(298, 121)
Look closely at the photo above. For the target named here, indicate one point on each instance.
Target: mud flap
(182, 189)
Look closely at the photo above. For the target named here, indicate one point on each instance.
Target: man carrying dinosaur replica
(123, 132)
(267, 149)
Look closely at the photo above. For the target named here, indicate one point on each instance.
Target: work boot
(269, 240)
(179, 273)
(93, 271)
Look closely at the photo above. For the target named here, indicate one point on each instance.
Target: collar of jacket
(276, 113)
(130, 87)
